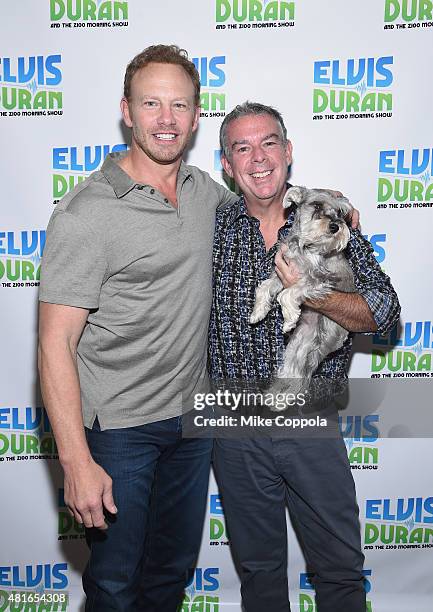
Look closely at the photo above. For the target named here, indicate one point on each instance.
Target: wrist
(315, 304)
(75, 461)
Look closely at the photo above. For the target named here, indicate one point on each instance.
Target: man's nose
(258, 155)
(166, 116)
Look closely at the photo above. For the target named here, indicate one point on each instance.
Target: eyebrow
(156, 97)
(273, 135)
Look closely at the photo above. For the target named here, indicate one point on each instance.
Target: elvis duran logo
(71, 165)
(34, 587)
(29, 86)
(212, 78)
(88, 13)
(20, 258)
(353, 89)
(67, 526)
(197, 593)
(403, 354)
(408, 14)
(247, 14)
(405, 179)
(360, 435)
(218, 534)
(397, 524)
(377, 241)
(307, 602)
(25, 434)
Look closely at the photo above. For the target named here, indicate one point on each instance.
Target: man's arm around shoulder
(88, 488)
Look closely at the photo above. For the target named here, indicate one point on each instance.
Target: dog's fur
(315, 244)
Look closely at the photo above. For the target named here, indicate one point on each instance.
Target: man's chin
(265, 195)
(164, 157)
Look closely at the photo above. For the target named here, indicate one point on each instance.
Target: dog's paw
(289, 325)
(258, 314)
(291, 317)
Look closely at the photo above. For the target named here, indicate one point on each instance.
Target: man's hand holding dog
(286, 271)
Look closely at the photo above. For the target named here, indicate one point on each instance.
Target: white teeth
(165, 136)
(261, 174)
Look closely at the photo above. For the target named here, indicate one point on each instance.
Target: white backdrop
(331, 68)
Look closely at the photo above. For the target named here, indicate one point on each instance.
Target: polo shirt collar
(121, 182)
(184, 172)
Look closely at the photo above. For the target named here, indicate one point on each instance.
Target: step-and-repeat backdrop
(353, 82)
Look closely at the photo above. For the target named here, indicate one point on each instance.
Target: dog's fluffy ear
(345, 205)
(294, 195)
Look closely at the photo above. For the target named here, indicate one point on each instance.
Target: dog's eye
(317, 206)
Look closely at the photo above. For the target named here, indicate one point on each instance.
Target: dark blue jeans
(160, 480)
(257, 478)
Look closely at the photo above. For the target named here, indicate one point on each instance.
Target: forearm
(61, 394)
(350, 310)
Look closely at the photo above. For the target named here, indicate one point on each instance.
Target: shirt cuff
(384, 308)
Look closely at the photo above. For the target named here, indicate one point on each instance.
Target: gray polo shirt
(144, 270)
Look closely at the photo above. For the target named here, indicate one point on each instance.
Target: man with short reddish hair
(123, 338)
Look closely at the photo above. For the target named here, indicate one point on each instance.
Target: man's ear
(124, 107)
(289, 152)
(226, 165)
(196, 118)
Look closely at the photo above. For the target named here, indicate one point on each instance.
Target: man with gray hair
(257, 476)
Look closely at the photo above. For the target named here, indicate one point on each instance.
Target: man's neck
(271, 215)
(143, 169)
(268, 213)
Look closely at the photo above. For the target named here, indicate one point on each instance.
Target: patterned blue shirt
(252, 353)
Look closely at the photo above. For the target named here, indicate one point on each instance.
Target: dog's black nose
(333, 227)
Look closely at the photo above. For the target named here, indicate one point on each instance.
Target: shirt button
(165, 200)
(152, 191)
(140, 186)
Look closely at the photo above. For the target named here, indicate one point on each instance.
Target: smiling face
(258, 157)
(161, 111)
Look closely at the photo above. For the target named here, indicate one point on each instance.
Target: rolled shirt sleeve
(372, 283)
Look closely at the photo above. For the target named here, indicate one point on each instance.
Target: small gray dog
(315, 244)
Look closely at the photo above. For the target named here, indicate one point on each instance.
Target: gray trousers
(257, 478)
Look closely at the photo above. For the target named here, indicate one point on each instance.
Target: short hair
(162, 54)
(244, 110)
